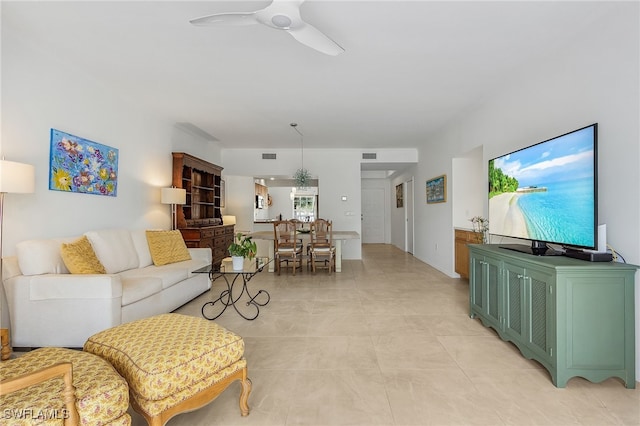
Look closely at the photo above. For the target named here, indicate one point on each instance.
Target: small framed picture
(437, 190)
(399, 199)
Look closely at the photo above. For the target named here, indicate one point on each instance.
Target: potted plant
(240, 248)
(481, 225)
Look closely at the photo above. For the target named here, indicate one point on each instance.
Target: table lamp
(173, 196)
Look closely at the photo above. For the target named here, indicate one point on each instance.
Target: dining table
(338, 237)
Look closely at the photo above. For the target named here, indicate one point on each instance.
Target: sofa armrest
(201, 253)
(74, 286)
(10, 267)
(62, 309)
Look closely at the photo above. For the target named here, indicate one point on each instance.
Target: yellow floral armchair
(61, 386)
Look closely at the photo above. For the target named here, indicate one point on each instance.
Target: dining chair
(297, 222)
(299, 227)
(301, 230)
(308, 246)
(287, 245)
(322, 248)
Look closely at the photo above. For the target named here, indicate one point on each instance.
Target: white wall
(468, 188)
(594, 82)
(282, 204)
(567, 90)
(337, 171)
(239, 200)
(39, 92)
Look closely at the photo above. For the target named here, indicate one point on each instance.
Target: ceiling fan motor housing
(281, 21)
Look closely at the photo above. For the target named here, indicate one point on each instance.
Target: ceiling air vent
(267, 156)
(369, 156)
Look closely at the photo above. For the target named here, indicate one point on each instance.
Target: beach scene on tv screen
(545, 192)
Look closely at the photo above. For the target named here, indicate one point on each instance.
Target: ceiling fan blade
(312, 37)
(227, 19)
(280, 15)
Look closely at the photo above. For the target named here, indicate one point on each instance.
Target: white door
(372, 215)
(409, 216)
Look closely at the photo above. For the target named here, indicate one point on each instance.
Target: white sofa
(48, 306)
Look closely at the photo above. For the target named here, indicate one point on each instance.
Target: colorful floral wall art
(80, 165)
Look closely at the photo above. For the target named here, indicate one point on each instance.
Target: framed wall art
(81, 165)
(399, 199)
(437, 190)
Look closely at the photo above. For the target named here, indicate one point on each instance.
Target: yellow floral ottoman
(102, 395)
(173, 363)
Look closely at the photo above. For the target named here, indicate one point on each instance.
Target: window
(304, 208)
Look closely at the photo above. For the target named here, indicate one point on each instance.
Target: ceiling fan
(280, 15)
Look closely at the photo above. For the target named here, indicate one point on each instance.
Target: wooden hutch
(200, 219)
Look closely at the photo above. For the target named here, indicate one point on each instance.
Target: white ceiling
(409, 67)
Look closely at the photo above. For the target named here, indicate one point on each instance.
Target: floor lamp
(173, 196)
(15, 178)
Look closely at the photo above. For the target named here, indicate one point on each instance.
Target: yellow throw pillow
(79, 257)
(167, 247)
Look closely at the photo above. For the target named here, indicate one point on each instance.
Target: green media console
(574, 317)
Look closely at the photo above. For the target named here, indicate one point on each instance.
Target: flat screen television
(547, 193)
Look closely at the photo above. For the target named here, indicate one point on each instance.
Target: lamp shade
(228, 220)
(16, 177)
(173, 196)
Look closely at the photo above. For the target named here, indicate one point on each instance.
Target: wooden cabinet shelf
(200, 219)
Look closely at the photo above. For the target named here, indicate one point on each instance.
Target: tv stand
(575, 318)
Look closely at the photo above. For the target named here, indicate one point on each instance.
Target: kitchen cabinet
(464, 237)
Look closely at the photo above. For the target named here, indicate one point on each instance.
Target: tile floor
(388, 341)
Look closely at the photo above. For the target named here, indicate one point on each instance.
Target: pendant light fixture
(302, 176)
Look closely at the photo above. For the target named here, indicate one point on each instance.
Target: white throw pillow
(139, 238)
(115, 249)
(37, 257)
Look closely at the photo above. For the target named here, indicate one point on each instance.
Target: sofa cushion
(139, 237)
(36, 257)
(137, 288)
(115, 249)
(166, 274)
(167, 247)
(189, 265)
(79, 257)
